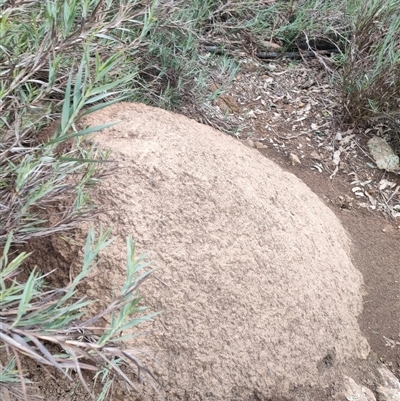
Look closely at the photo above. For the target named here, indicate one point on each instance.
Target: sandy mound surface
(260, 295)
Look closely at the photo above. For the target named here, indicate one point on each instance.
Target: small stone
(270, 45)
(259, 145)
(383, 154)
(389, 390)
(355, 392)
(294, 159)
(315, 155)
(250, 143)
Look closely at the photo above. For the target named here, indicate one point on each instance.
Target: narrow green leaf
(66, 105)
(80, 133)
(106, 87)
(16, 262)
(4, 258)
(100, 97)
(137, 321)
(78, 87)
(100, 106)
(106, 67)
(26, 297)
(83, 160)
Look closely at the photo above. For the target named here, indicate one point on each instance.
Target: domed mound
(257, 291)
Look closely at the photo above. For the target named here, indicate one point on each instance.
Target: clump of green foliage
(59, 61)
(51, 326)
(366, 36)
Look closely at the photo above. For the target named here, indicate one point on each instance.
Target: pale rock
(259, 145)
(294, 159)
(243, 252)
(270, 45)
(389, 390)
(383, 154)
(355, 392)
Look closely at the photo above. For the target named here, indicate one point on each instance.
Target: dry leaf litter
(291, 107)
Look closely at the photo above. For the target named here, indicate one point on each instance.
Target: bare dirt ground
(288, 111)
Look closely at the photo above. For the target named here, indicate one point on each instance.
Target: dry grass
(370, 76)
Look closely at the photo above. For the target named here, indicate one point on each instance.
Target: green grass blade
(66, 105)
(78, 87)
(84, 132)
(26, 297)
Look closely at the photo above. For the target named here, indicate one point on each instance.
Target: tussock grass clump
(366, 35)
(174, 68)
(59, 60)
(309, 22)
(370, 76)
(63, 59)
